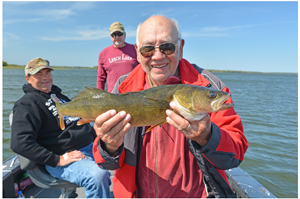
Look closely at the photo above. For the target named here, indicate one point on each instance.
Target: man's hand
(111, 127)
(199, 130)
(70, 157)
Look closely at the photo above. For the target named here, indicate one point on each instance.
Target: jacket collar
(136, 79)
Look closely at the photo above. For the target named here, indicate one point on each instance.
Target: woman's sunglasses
(166, 48)
(115, 34)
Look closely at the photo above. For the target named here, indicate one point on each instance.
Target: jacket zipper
(156, 160)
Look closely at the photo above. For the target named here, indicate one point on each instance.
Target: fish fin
(61, 117)
(152, 127)
(84, 121)
(157, 103)
(61, 122)
(88, 91)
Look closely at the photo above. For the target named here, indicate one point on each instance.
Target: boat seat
(41, 178)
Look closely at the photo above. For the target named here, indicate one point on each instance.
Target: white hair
(174, 22)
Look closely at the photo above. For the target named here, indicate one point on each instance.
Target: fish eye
(212, 94)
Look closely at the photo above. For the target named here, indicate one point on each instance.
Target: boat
(15, 178)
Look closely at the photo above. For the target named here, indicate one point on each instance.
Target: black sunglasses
(115, 34)
(166, 48)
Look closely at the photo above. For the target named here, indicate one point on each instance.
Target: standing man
(181, 158)
(36, 134)
(115, 60)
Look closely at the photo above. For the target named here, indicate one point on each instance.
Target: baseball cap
(116, 26)
(35, 65)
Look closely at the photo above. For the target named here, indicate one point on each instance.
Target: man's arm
(101, 74)
(110, 128)
(228, 144)
(219, 137)
(24, 131)
(25, 126)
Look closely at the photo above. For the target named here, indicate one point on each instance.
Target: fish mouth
(224, 105)
(159, 66)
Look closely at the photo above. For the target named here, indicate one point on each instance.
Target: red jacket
(224, 150)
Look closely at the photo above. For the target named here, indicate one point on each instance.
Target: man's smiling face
(42, 80)
(155, 31)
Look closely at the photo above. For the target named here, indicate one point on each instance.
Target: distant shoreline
(14, 66)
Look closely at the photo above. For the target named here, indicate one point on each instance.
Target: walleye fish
(147, 107)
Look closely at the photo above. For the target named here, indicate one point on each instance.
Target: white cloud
(46, 14)
(17, 2)
(220, 29)
(10, 39)
(215, 31)
(56, 14)
(84, 33)
(10, 21)
(188, 34)
(82, 5)
(12, 36)
(131, 33)
(79, 35)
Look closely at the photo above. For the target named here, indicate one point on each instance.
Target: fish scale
(147, 107)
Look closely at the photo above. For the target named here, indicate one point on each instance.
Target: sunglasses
(115, 34)
(166, 48)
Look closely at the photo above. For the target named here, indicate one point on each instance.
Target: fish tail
(58, 107)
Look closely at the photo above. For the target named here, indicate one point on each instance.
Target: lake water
(267, 104)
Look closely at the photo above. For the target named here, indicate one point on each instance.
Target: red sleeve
(101, 156)
(96, 153)
(232, 138)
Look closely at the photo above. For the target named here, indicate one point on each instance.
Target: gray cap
(35, 65)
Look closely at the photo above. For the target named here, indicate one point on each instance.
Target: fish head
(194, 102)
(210, 100)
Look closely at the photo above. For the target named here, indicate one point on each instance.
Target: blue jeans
(85, 173)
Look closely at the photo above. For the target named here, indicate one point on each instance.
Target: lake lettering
(119, 58)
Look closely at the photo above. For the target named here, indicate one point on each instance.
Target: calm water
(267, 104)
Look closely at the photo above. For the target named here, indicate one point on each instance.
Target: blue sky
(225, 35)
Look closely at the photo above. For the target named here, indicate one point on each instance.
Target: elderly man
(36, 134)
(115, 60)
(181, 158)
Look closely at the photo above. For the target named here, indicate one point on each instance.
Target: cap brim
(115, 30)
(40, 68)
